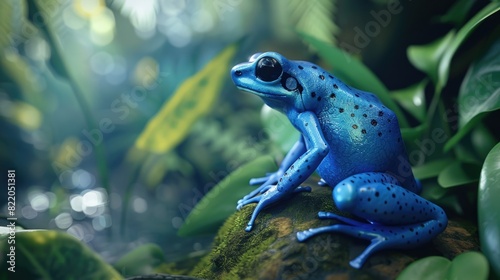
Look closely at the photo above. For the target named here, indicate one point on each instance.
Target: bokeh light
(39, 201)
(139, 205)
(63, 220)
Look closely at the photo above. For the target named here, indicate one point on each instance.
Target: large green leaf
(53, 255)
(142, 260)
(426, 57)
(194, 97)
(470, 265)
(489, 208)
(220, 202)
(432, 168)
(459, 39)
(354, 72)
(459, 173)
(479, 93)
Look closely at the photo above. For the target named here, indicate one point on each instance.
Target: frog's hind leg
(378, 241)
(379, 199)
(380, 237)
(395, 217)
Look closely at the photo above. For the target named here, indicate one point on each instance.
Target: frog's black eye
(268, 69)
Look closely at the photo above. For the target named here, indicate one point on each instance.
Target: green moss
(236, 252)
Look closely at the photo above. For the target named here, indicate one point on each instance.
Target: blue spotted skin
(354, 142)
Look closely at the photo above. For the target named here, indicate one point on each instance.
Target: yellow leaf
(192, 99)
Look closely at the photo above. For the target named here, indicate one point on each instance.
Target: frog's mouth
(262, 94)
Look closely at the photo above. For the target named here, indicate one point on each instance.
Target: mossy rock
(271, 249)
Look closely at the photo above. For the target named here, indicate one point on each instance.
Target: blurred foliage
(142, 260)
(489, 208)
(218, 203)
(90, 92)
(53, 255)
(470, 265)
(172, 123)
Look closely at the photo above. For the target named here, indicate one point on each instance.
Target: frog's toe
(302, 189)
(327, 215)
(306, 234)
(243, 202)
(322, 183)
(248, 228)
(269, 179)
(258, 181)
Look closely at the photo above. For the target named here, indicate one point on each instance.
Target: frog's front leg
(396, 217)
(298, 149)
(297, 172)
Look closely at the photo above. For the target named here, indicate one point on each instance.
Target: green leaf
(427, 268)
(433, 191)
(46, 14)
(482, 141)
(220, 202)
(14, 27)
(412, 133)
(278, 127)
(459, 173)
(479, 93)
(489, 208)
(469, 265)
(313, 17)
(412, 99)
(426, 57)
(431, 169)
(458, 12)
(140, 261)
(354, 72)
(194, 97)
(54, 255)
(459, 39)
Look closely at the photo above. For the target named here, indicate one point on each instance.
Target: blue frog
(354, 143)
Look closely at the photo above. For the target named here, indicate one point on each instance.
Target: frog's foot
(265, 183)
(260, 190)
(269, 197)
(378, 241)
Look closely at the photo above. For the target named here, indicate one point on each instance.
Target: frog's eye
(268, 69)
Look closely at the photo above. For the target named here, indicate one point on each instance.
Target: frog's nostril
(238, 73)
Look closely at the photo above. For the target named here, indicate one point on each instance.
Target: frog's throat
(263, 95)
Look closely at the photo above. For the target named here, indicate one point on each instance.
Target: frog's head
(270, 76)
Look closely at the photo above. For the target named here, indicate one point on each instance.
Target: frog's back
(357, 126)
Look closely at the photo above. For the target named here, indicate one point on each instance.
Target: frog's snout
(238, 72)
